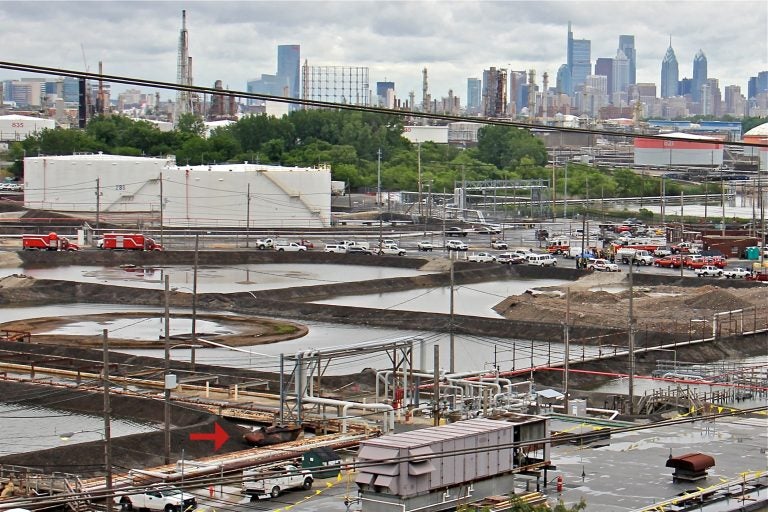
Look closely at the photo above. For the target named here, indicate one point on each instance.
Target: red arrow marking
(219, 436)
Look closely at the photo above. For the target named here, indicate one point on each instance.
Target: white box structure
(223, 195)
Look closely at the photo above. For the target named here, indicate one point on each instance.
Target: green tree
(505, 147)
(191, 125)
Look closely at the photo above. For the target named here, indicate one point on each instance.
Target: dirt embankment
(604, 300)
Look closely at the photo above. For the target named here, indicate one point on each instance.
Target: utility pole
(98, 200)
(193, 340)
(166, 375)
(565, 191)
(107, 424)
(722, 200)
(419, 184)
(247, 217)
(450, 327)
(567, 340)
(162, 207)
(631, 343)
(378, 195)
(762, 216)
(436, 389)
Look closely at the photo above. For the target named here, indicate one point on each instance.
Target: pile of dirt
(16, 281)
(659, 308)
(715, 299)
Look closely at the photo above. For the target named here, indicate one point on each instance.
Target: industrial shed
(224, 195)
(686, 150)
(17, 128)
(433, 469)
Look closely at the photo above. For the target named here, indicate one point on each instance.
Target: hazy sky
(236, 41)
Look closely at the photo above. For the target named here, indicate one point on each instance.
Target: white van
(541, 260)
(339, 248)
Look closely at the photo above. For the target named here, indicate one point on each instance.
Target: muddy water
(25, 429)
(476, 299)
(217, 279)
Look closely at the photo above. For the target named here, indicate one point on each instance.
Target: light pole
(66, 436)
(378, 194)
(419, 179)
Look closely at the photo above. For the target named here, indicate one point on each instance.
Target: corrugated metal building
(17, 128)
(225, 195)
(435, 468)
(688, 150)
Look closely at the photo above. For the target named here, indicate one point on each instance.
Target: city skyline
(235, 42)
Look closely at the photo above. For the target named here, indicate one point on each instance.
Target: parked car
(757, 276)
(455, 231)
(602, 265)
(500, 245)
(511, 258)
(667, 262)
(456, 245)
(488, 229)
(709, 271)
(425, 245)
(737, 273)
(356, 249)
(337, 248)
(482, 257)
(307, 244)
(541, 260)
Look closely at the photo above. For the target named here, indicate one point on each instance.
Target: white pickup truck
(265, 243)
(482, 257)
(290, 247)
(392, 250)
(737, 273)
(499, 244)
(272, 482)
(167, 499)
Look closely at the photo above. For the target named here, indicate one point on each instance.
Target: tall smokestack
(182, 69)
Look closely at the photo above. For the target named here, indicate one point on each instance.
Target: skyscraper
(699, 75)
(669, 73)
(474, 95)
(604, 67)
(385, 93)
(620, 73)
(627, 47)
(288, 66)
(563, 80)
(579, 60)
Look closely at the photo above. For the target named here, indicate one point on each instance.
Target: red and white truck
(128, 242)
(50, 242)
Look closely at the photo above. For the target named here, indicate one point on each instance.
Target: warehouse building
(224, 195)
(17, 128)
(685, 150)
